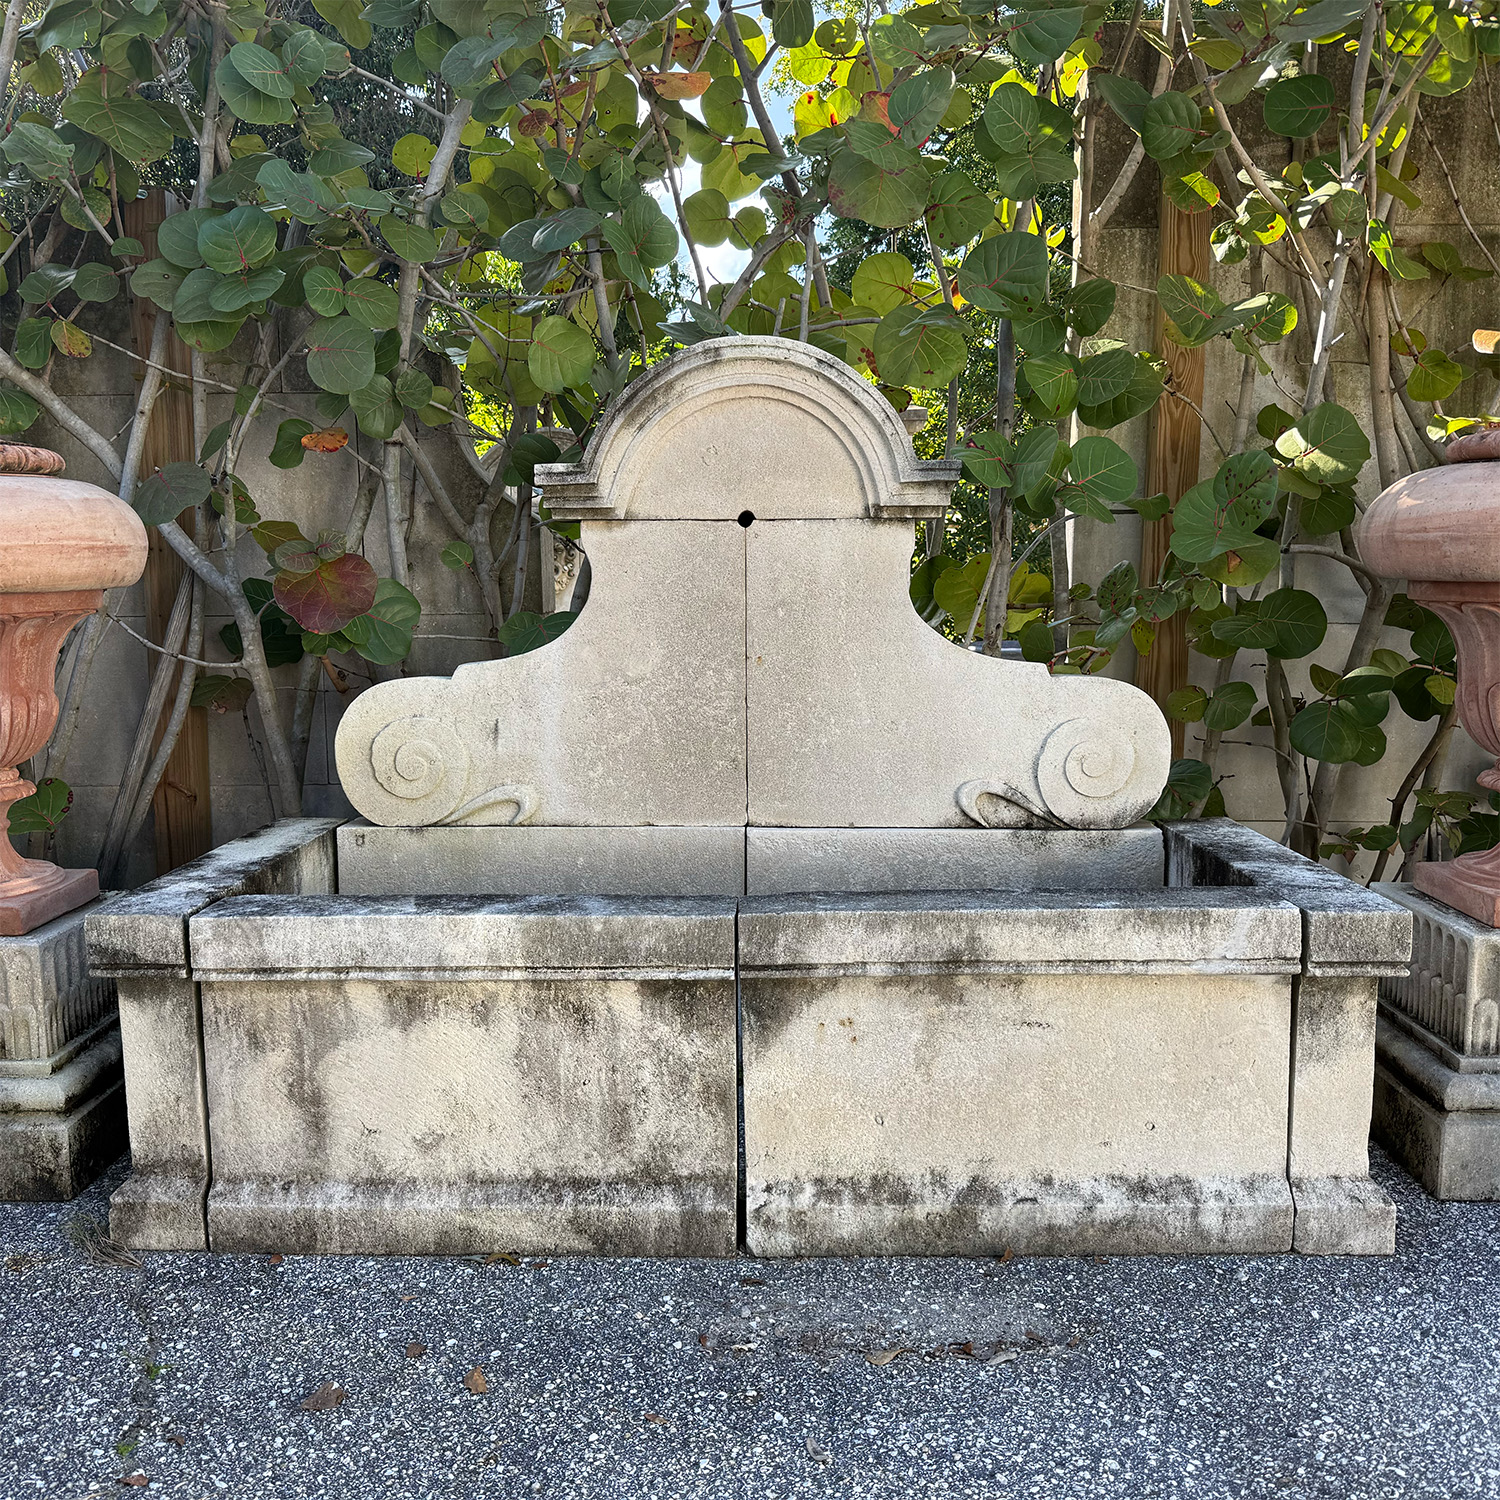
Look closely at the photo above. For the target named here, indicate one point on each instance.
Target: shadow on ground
(184, 1375)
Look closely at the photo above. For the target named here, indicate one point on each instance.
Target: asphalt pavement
(278, 1378)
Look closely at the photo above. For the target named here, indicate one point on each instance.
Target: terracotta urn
(1440, 530)
(62, 544)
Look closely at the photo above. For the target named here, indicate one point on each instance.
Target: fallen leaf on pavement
(821, 1455)
(502, 1255)
(1009, 1256)
(884, 1356)
(752, 1280)
(135, 1481)
(474, 1381)
(177, 1440)
(651, 1416)
(325, 1398)
(277, 1259)
(1004, 1358)
(415, 1350)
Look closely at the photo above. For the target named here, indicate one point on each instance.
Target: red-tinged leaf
(328, 440)
(680, 85)
(875, 105)
(327, 598)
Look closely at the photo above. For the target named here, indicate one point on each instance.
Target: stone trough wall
(1178, 1068)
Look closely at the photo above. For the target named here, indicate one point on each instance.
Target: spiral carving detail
(420, 759)
(1083, 764)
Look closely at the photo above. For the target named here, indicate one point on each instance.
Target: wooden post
(183, 814)
(1173, 452)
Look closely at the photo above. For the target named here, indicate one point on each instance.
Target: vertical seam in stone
(1291, 1098)
(208, 1148)
(741, 1216)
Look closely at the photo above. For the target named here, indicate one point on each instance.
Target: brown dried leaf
(475, 1382)
(1485, 340)
(1009, 1256)
(507, 1256)
(884, 1356)
(328, 440)
(415, 1350)
(680, 85)
(134, 1481)
(325, 1398)
(277, 1259)
(651, 1416)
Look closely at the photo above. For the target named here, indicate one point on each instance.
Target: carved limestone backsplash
(749, 653)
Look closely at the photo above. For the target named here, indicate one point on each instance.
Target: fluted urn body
(1440, 530)
(62, 544)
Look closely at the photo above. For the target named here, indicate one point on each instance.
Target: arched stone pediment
(763, 669)
(767, 425)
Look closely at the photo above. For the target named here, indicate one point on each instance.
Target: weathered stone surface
(750, 627)
(1333, 1026)
(843, 672)
(251, 937)
(61, 1127)
(142, 940)
(1342, 1216)
(147, 928)
(722, 861)
(780, 861)
(541, 861)
(62, 1110)
(1348, 929)
(1444, 1126)
(446, 1075)
(1437, 1084)
(965, 1112)
(635, 716)
(47, 995)
(1171, 931)
(1453, 990)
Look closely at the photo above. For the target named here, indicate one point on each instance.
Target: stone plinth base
(1437, 1079)
(62, 1102)
(60, 1128)
(515, 861)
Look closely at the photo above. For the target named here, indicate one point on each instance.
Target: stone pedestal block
(62, 1102)
(1437, 1083)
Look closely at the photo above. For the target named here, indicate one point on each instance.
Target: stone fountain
(751, 913)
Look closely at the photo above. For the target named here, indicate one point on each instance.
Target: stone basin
(1182, 1062)
(751, 913)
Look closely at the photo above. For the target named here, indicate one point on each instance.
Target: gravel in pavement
(189, 1376)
